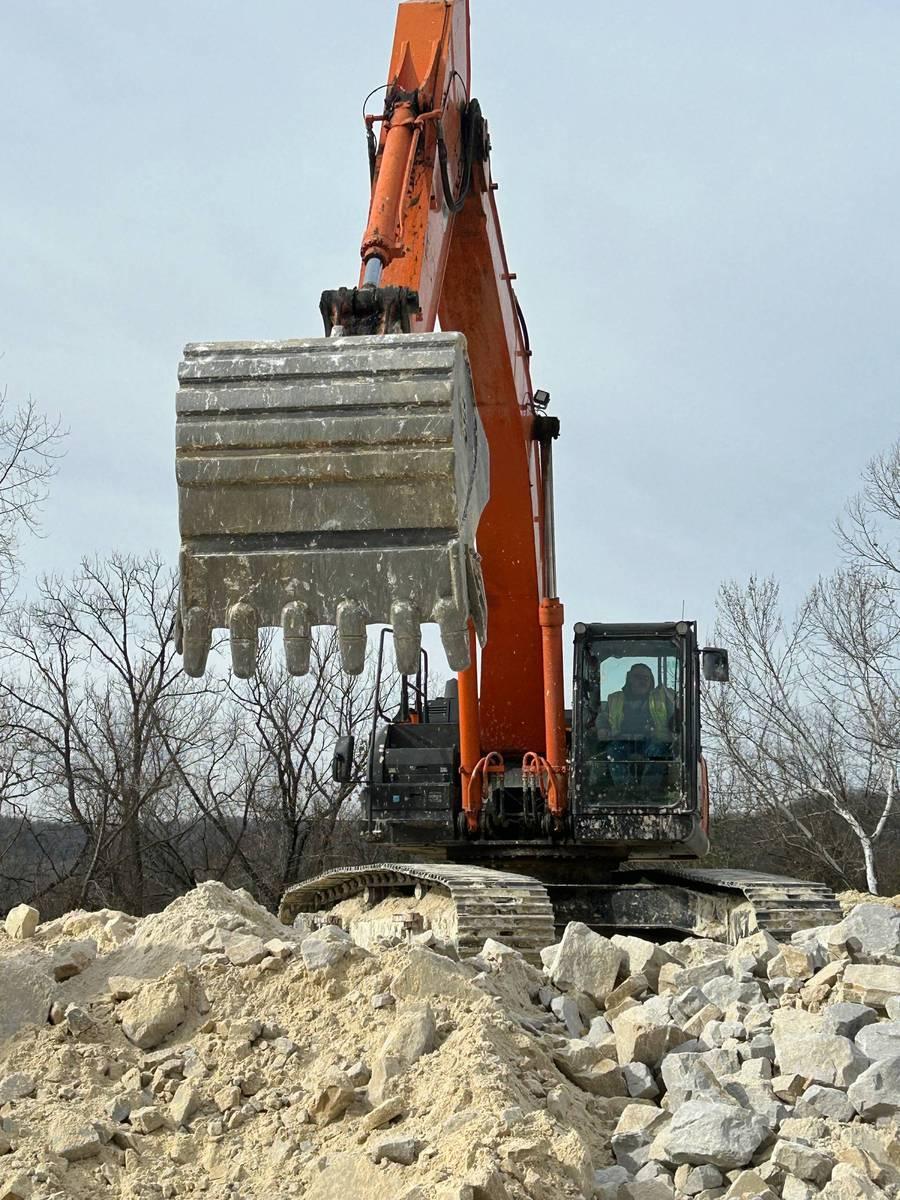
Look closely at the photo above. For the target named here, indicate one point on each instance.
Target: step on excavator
(389, 473)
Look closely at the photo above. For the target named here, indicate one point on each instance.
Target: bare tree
(97, 678)
(124, 782)
(29, 448)
(869, 533)
(268, 792)
(809, 728)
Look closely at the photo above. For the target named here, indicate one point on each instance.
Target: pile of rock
(762, 1070)
(209, 1050)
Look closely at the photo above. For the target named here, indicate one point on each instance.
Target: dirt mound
(207, 1049)
(850, 899)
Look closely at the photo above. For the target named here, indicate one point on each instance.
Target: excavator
(399, 471)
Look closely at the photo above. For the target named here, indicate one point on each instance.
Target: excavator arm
(305, 468)
(434, 229)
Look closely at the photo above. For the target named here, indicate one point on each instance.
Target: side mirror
(342, 762)
(715, 665)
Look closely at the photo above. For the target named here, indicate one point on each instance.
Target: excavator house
(398, 471)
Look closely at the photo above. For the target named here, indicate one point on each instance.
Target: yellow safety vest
(660, 702)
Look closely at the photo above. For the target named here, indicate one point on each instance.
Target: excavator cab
(636, 768)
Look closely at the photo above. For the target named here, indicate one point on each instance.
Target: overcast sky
(700, 200)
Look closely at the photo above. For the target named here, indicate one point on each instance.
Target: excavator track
(780, 905)
(513, 909)
(656, 900)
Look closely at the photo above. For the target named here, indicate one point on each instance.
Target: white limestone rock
(565, 1010)
(608, 1182)
(411, 1036)
(636, 1130)
(641, 957)
(708, 1131)
(805, 1162)
(325, 947)
(639, 1081)
(157, 1009)
(73, 1138)
(586, 1067)
(831, 1103)
(22, 921)
(427, 975)
(847, 1019)
(876, 1092)
(802, 1049)
(872, 984)
(869, 931)
(879, 1041)
(586, 961)
(18, 1086)
(641, 1036)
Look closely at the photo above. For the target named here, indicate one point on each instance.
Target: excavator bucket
(329, 481)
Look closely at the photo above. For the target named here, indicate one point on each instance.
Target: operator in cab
(637, 725)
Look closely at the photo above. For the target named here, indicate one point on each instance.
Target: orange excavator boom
(434, 228)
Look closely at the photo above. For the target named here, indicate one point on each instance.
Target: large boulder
(793, 962)
(847, 1019)
(880, 1041)
(676, 978)
(869, 931)
(641, 957)
(828, 1059)
(244, 949)
(427, 975)
(70, 958)
(872, 984)
(184, 1103)
(831, 1103)
(709, 1131)
(638, 1126)
(608, 1182)
(331, 1098)
(691, 1180)
(876, 1093)
(325, 947)
(753, 953)
(641, 1036)
(411, 1036)
(17, 1086)
(566, 1010)
(587, 1067)
(158, 1008)
(803, 1161)
(724, 991)
(26, 992)
(586, 962)
(801, 1048)
(688, 1077)
(22, 921)
(73, 1137)
(848, 1183)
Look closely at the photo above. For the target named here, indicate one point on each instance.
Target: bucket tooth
(476, 594)
(295, 627)
(196, 640)
(327, 470)
(407, 636)
(243, 628)
(454, 635)
(351, 631)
